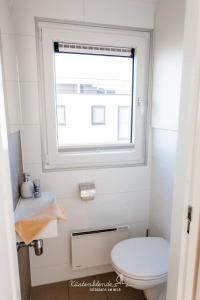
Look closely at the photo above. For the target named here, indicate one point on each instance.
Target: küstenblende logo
(99, 286)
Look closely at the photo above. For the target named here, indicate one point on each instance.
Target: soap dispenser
(27, 187)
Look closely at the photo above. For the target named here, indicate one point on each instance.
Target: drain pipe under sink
(36, 244)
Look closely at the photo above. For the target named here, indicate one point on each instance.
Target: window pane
(98, 115)
(91, 88)
(124, 120)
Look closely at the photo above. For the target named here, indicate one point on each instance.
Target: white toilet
(143, 264)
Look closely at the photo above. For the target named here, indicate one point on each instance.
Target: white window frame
(71, 158)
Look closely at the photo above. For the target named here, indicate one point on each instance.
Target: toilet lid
(141, 258)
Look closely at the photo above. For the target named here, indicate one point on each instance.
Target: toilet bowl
(142, 263)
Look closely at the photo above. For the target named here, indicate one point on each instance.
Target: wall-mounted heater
(93, 247)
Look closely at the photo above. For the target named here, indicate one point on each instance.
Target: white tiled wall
(168, 43)
(162, 179)
(122, 193)
(10, 68)
(29, 102)
(135, 13)
(168, 46)
(126, 13)
(118, 201)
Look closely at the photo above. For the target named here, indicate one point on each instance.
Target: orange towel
(28, 229)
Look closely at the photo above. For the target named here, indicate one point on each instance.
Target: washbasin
(28, 207)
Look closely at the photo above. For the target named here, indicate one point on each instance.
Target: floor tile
(83, 289)
(98, 287)
(122, 292)
(56, 291)
(88, 296)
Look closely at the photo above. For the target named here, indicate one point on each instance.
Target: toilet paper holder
(87, 191)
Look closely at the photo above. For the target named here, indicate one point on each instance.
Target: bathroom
(137, 189)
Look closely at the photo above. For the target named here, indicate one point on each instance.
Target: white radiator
(93, 247)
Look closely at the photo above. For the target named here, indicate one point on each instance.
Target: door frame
(183, 246)
(183, 249)
(9, 275)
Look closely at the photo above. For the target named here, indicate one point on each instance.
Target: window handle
(140, 105)
(140, 101)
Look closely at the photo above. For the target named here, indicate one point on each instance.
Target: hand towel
(29, 228)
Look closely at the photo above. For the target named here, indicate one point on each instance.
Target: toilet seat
(139, 279)
(142, 259)
(141, 284)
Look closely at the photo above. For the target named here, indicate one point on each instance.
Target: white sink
(27, 207)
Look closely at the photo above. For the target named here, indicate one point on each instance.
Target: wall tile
(55, 253)
(26, 50)
(31, 145)
(138, 229)
(123, 208)
(164, 145)
(29, 103)
(124, 13)
(5, 18)
(162, 179)
(13, 128)
(63, 272)
(167, 73)
(136, 179)
(105, 210)
(13, 103)
(76, 216)
(26, 11)
(107, 181)
(9, 57)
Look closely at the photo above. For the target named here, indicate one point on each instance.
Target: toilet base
(156, 293)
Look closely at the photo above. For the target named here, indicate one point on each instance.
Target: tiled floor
(68, 291)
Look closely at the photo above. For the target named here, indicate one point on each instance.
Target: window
(92, 79)
(99, 77)
(98, 115)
